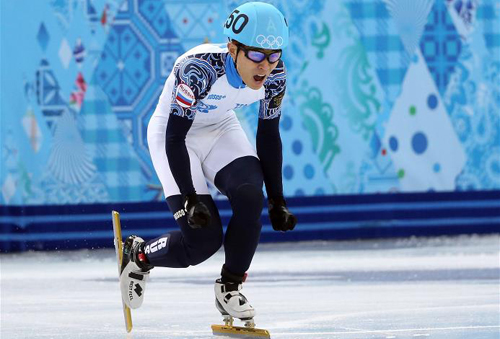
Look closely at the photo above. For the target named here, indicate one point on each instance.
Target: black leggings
(241, 181)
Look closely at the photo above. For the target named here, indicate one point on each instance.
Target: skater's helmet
(257, 24)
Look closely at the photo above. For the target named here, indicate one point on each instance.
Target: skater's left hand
(281, 218)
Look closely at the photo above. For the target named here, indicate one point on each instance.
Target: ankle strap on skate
(227, 276)
(141, 259)
(229, 287)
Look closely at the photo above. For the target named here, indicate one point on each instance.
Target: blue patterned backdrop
(383, 95)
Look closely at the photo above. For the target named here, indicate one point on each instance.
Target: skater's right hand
(198, 215)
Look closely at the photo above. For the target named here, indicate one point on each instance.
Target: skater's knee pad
(247, 199)
(248, 193)
(245, 170)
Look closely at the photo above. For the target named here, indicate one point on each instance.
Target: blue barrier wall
(386, 99)
(327, 217)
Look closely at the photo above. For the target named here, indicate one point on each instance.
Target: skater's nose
(264, 65)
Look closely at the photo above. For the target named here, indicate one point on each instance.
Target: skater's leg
(188, 246)
(241, 181)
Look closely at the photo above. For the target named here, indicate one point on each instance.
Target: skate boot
(134, 272)
(232, 304)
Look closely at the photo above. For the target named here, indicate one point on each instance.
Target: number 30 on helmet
(257, 24)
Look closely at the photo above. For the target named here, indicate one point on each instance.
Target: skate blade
(117, 230)
(240, 332)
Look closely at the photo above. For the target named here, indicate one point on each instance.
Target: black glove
(198, 215)
(281, 218)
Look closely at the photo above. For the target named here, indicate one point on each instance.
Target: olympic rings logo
(270, 41)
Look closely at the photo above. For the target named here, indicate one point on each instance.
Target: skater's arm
(270, 152)
(178, 159)
(268, 139)
(188, 90)
(177, 153)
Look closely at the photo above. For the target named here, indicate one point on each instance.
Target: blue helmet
(257, 24)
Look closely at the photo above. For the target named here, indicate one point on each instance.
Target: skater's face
(253, 64)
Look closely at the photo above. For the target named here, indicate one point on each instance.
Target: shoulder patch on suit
(184, 96)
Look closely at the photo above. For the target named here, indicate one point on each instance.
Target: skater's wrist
(190, 200)
(276, 201)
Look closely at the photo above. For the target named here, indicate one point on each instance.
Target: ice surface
(415, 288)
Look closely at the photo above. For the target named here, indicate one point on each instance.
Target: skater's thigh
(208, 236)
(156, 142)
(231, 144)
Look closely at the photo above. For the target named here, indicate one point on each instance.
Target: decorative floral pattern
(74, 128)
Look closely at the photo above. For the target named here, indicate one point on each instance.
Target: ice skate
(232, 304)
(134, 272)
(117, 231)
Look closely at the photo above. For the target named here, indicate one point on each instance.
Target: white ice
(413, 288)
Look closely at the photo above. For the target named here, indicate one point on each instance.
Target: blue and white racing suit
(203, 89)
(195, 136)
